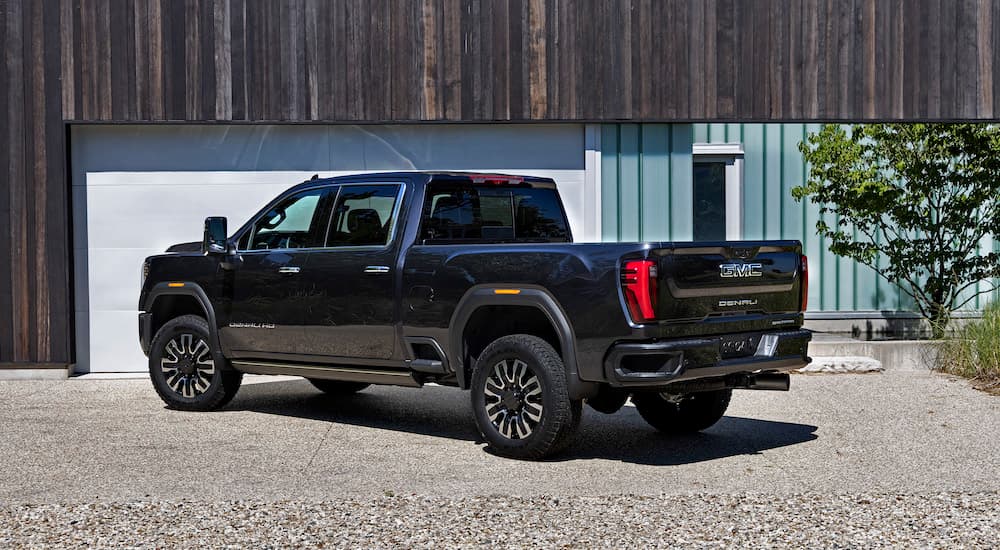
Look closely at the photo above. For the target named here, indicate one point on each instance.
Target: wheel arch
(487, 297)
(168, 301)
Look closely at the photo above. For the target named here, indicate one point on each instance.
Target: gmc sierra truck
(473, 281)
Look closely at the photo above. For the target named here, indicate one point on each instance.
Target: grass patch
(973, 351)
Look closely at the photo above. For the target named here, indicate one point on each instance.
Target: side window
(363, 215)
(296, 222)
(457, 214)
(539, 215)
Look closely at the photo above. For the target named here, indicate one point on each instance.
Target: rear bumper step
(645, 364)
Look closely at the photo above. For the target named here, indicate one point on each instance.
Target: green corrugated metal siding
(647, 192)
(646, 182)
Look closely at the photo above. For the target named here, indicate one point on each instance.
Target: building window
(718, 192)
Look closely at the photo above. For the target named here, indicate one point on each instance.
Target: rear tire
(337, 387)
(693, 413)
(520, 398)
(184, 371)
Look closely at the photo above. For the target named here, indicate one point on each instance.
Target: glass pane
(293, 223)
(709, 201)
(539, 215)
(363, 216)
(491, 214)
(459, 213)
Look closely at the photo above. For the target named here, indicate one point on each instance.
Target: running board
(331, 372)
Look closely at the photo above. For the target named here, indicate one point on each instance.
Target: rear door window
(363, 215)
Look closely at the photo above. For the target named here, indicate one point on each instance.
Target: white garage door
(138, 189)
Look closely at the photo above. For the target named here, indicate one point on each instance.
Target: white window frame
(732, 155)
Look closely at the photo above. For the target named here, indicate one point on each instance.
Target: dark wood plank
(6, 305)
(120, 65)
(708, 32)
(792, 95)
(967, 72)
(102, 65)
(931, 65)
(995, 55)
(155, 84)
(984, 53)
(683, 37)
(207, 100)
(726, 58)
(536, 57)
(946, 70)
(484, 28)
(57, 246)
(16, 261)
(35, 197)
(238, 60)
(518, 79)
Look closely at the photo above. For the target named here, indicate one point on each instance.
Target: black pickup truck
(472, 280)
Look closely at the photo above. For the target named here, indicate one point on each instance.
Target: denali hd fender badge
(251, 325)
(735, 271)
(735, 303)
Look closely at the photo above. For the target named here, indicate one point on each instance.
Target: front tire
(520, 398)
(184, 371)
(682, 414)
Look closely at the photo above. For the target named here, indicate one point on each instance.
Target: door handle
(288, 269)
(377, 269)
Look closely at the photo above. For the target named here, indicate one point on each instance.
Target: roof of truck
(457, 177)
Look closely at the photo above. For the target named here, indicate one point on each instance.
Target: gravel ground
(936, 520)
(905, 460)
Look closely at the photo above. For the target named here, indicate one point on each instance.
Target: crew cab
(473, 281)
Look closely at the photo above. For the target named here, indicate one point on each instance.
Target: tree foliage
(913, 202)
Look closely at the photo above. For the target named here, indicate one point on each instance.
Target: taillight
(639, 284)
(805, 283)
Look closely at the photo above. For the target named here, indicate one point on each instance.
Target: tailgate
(719, 279)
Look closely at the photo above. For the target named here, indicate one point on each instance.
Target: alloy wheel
(187, 365)
(513, 399)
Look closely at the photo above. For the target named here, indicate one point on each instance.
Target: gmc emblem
(739, 271)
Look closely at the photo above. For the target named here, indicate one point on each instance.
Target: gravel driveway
(893, 459)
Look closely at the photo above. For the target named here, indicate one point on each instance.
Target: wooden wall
(441, 60)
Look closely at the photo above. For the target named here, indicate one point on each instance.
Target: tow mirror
(216, 236)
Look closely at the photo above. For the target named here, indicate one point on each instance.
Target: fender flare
(194, 290)
(530, 296)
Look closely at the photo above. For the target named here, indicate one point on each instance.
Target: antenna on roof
(315, 177)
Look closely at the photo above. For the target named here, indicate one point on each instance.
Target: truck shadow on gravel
(444, 412)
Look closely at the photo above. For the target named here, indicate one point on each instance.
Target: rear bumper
(641, 364)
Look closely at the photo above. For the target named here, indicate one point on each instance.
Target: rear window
(462, 213)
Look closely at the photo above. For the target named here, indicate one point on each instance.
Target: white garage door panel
(137, 190)
(171, 206)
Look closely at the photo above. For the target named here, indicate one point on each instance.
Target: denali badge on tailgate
(730, 271)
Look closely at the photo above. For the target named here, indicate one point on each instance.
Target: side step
(330, 372)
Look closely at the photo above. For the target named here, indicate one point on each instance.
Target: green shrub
(973, 351)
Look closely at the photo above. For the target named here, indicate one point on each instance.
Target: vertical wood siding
(462, 60)
(447, 60)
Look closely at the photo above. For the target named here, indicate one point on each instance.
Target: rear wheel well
(172, 306)
(488, 323)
